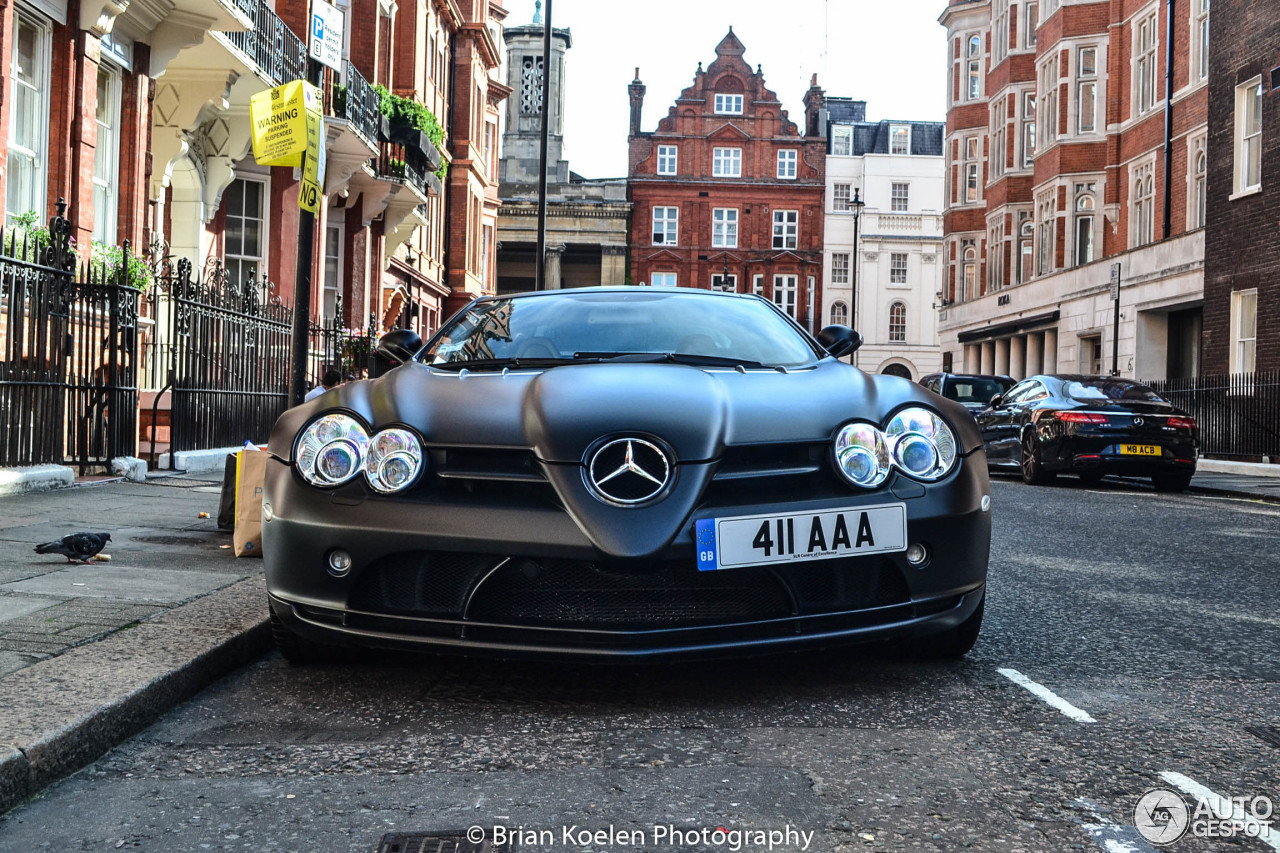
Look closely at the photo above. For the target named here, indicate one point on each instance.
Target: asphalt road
(1152, 618)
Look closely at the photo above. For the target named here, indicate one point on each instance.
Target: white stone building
(894, 279)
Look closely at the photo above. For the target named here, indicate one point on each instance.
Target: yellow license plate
(1139, 450)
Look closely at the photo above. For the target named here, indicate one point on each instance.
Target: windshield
(1101, 390)
(563, 327)
(973, 389)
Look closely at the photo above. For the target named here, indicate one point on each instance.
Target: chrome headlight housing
(862, 455)
(331, 451)
(394, 461)
(921, 444)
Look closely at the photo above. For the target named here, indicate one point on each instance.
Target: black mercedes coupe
(1090, 426)
(625, 474)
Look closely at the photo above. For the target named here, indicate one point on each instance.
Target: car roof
(626, 288)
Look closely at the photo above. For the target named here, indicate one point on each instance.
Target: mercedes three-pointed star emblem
(628, 471)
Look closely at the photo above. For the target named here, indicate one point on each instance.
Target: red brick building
(1069, 152)
(729, 180)
(1242, 255)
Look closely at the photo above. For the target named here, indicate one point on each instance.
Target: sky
(890, 53)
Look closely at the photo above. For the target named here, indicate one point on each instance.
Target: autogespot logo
(1161, 816)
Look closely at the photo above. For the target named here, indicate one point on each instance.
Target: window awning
(1014, 327)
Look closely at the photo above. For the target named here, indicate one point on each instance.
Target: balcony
(353, 126)
(279, 54)
(407, 170)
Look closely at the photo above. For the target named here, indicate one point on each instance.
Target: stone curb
(61, 714)
(198, 461)
(35, 478)
(1244, 469)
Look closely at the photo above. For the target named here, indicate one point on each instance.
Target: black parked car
(971, 390)
(1090, 426)
(624, 473)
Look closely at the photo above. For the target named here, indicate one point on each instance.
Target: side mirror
(399, 345)
(995, 401)
(839, 340)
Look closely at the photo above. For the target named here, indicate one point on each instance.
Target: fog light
(917, 554)
(267, 512)
(339, 562)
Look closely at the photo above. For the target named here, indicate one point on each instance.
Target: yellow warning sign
(278, 118)
(313, 158)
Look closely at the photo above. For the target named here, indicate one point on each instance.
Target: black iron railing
(1239, 414)
(335, 346)
(356, 101)
(68, 351)
(408, 164)
(269, 43)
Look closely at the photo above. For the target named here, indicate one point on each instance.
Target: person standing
(331, 379)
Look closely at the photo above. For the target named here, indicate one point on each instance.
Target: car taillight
(1182, 423)
(1081, 417)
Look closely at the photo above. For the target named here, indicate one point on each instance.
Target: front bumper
(523, 580)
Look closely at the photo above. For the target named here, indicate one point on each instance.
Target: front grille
(420, 583)
(577, 593)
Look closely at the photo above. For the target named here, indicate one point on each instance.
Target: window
(666, 221)
(841, 140)
(899, 197)
(970, 273)
(784, 293)
(729, 104)
(898, 322)
(995, 254)
(1249, 136)
(787, 164)
(106, 157)
(786, 228)
(1026, 255)
(1143, 194)
(28, 127)
(974, 55)
(530, 86)
(663, 279)
(998, 145)
(1048, 100)
(719, 281)
(1199, 39)
(999, 31)
(972, 169)
(724, 227)
(1199, 186)
(333, 241)
(839, 314)
(1086, 205)
(897, 267)
(1086, 89)
(246, 227)
(839, 267)
(1244, 330)
(840, 197)
(900, 139)
(726, 162)
(1032, 22)
(1028, 129)
(1146, 42)
(757, 285)
(667, 159)
(1046, 221)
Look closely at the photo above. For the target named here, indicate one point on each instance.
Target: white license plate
(755, 540)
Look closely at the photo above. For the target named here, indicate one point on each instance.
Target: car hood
(563, 412)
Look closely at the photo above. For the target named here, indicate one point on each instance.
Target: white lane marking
(1047, 696)
(1111, 836)
(1221, 805)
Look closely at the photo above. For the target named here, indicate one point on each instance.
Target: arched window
(970, 273)
(898, 322)
(1085, 207)
(896, 370)
(839, 314)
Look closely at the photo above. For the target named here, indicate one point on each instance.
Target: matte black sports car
(625, 473)
(1090, 426)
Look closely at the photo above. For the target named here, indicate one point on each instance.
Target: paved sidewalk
(90, 654)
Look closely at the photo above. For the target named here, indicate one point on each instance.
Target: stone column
(1035, 353)
(972, 359)
(988, 361)
(1051, 351)
(613, 265)
(1002, 356)
(1018, 357)
(551, 268)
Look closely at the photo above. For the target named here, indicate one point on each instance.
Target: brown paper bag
(251, 469)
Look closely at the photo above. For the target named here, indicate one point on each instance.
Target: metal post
(1115, 327)
(541, 259)
(857, 204)
(302, 285)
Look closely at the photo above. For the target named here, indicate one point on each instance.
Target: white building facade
(888, 285)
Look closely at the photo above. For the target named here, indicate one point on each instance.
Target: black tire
(1171, 481)
(958, 641)
(1033, 473)
(300, 651)
(1090, 478)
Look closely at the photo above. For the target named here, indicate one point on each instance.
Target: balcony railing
(273, 46)
(357, 102)
(407, 164)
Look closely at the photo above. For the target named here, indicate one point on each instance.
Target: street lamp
(724, 276)
(855, 205)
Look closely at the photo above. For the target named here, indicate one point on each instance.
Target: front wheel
(1033, 473)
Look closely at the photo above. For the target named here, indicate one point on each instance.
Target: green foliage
(110, 261)
(106, 261)
(410, 112)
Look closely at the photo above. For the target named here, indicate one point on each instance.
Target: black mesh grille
(426, 583)
(569, 592)
(848, 584)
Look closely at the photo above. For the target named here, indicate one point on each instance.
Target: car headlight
(921, 443)
(862, 454)
(331, 451)
(394, 461)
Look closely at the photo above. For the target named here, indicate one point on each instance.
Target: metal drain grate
(1271, 734)
(437, 842)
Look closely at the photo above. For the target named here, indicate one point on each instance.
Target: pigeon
(76, 546)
